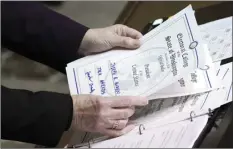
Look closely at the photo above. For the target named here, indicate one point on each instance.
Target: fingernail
(137, 43)
(139, 36)
(133, 108)
(132, 123)
(144, 101)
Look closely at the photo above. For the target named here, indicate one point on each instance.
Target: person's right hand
(106, 115)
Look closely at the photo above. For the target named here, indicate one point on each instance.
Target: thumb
(125, 42)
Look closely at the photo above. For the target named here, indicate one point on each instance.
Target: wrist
(83, 49)
(70, 115)
(74, 109)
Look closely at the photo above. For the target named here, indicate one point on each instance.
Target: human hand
(106, 115)
(103, 39)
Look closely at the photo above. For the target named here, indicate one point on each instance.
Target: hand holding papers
(172, 66)
(168, 53)
(167, 136)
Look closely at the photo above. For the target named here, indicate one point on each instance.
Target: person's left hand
(105, 115)
(104, 39)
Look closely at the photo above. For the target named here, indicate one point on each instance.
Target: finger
(116, 133)
(117, 124)
(130, 122)
(124, 30)
(130, 32)
(122, 113)
(127, 101)
(125, 42)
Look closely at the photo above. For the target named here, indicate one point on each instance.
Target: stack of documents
(177, 67)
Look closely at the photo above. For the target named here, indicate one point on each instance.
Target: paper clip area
(206, 67)
(141, 126)
(192, 115)
(89, 144)
(193, 45)
(210, 112)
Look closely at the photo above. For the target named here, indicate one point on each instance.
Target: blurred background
(22, 73)
(35, 76)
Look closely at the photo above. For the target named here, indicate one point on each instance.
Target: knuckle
(124, 123)
(107, 103)
(103, 102)
(125, 114)
(108, 121)
(120, 133)
(119, 25)
(132, 109)
(116, 133)
(125, 41)
(99, 101)
(101, 114)
(128, 102)
(113, 134)
(104, 116)
(98, 104)
(121, 115)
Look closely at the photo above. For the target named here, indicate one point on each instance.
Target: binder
(214, 115)
(217, 114)
(141, 128)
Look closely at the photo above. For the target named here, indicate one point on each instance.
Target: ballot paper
(178, 135)
(173, 66)
(221, 96)
(218, 36)
(225, 73)
(174, 109)
(217, 65)
(170, 110)
(169, 52)
(196, 82)
(165, 115)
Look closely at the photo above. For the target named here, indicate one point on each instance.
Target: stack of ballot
(177, 67)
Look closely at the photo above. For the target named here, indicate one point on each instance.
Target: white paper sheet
(166, 112)
(178, 135)
(174, 109)
(223, 95)
(217, 65)
(218, 36)
(163, 111)
(198, 81)
(169, 52)
(226, 76)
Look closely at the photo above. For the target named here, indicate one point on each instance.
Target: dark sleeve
(38, 118)
(41, 34)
